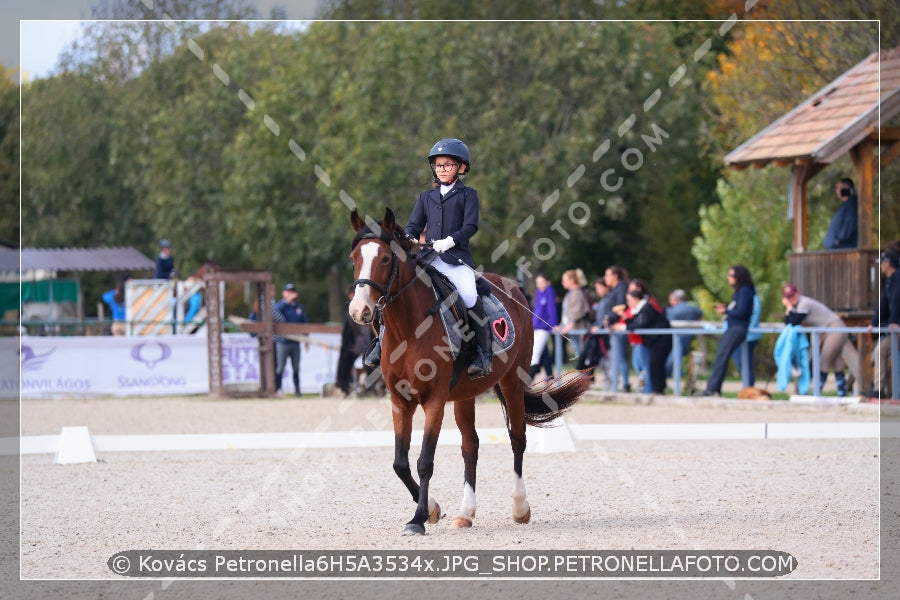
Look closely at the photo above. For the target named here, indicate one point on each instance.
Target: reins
(387, 297)
(385, 289)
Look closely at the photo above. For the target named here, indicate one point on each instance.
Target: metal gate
(159, 306)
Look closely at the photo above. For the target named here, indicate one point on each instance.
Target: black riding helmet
(450, 147)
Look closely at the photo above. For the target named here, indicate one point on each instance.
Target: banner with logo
(144, 366)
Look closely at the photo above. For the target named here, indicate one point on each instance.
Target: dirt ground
(817, 499)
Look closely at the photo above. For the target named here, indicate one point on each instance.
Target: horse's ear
(355, 221)
(388, 222)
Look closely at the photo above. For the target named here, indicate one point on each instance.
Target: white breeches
(540, 342)
(462, 276)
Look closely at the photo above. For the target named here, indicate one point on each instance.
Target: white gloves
(443, 245)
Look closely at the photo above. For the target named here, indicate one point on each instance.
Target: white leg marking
(520, 504)
(467, 509)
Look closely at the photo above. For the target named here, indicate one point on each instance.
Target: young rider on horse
(449, 215)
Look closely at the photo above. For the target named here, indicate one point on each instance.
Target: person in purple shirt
(737, 315)
(544, 318)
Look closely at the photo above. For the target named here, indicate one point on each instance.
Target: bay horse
(390, 285)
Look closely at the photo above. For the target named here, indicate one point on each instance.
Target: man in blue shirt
(288, 310)
(680, 309)
(843, 227)
(165, 264)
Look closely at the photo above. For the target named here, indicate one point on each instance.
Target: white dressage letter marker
(556, 438)
(75, 446)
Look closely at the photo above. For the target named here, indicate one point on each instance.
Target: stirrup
(373, 357)
(477, 368)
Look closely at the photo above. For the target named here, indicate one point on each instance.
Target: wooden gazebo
(845, 116)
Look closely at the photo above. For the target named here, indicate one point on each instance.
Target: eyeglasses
(445, 166)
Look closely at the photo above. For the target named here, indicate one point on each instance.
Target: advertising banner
(162, 365)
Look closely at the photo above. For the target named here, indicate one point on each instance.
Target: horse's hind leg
(513, 395)
(464, 411)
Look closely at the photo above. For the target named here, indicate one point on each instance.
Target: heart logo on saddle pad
(501, 328)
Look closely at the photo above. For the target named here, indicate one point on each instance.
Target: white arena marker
(821, 431)
(75, 446)
(807, 399)
(670, 431)
(555, 438)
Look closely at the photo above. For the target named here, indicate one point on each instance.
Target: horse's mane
(395, 236)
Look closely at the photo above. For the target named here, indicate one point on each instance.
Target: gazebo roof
(123, 258)
(831, 121)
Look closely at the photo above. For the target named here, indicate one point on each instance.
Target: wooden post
(214, 336)
(798, 195)
(862, 155)
(266, 339)
(263, 279)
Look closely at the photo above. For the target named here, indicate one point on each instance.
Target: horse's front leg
(402, 412)
(427, 510)
(465, 421)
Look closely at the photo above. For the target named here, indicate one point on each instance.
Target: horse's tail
(548, 399)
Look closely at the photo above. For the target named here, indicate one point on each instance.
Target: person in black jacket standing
(737, 316)
(646, 316)
(842, 230)
(888, 315)
(617, 281)
(165, 264)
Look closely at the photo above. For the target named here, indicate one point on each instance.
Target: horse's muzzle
(363, 319)
(361, 312)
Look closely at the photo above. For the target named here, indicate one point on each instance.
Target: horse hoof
(434, 515)
(413, 529)
(526, 518)
(461, 523)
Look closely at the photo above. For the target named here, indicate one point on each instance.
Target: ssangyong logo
(151, 353)
(31, 360)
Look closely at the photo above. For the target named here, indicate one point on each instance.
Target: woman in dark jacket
(737, 315)
(617, 281)
(645, 315)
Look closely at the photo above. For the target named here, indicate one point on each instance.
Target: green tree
(750, 222)
(72, 192)
(533, 101)
(177, 126)
(9, 156)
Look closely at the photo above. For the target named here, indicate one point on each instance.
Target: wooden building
(845, 116)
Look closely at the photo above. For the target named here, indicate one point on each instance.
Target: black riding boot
(841, 381)
(372, 358)
(823, 377)
(481, 364)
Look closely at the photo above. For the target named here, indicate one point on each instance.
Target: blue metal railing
(619, 337)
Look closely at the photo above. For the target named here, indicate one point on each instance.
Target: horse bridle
(386, 288)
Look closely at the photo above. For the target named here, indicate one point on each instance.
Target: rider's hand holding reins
(441, 246)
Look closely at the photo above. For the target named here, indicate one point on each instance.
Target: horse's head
(376, 251)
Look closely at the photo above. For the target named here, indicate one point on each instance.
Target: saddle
(456, 320)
